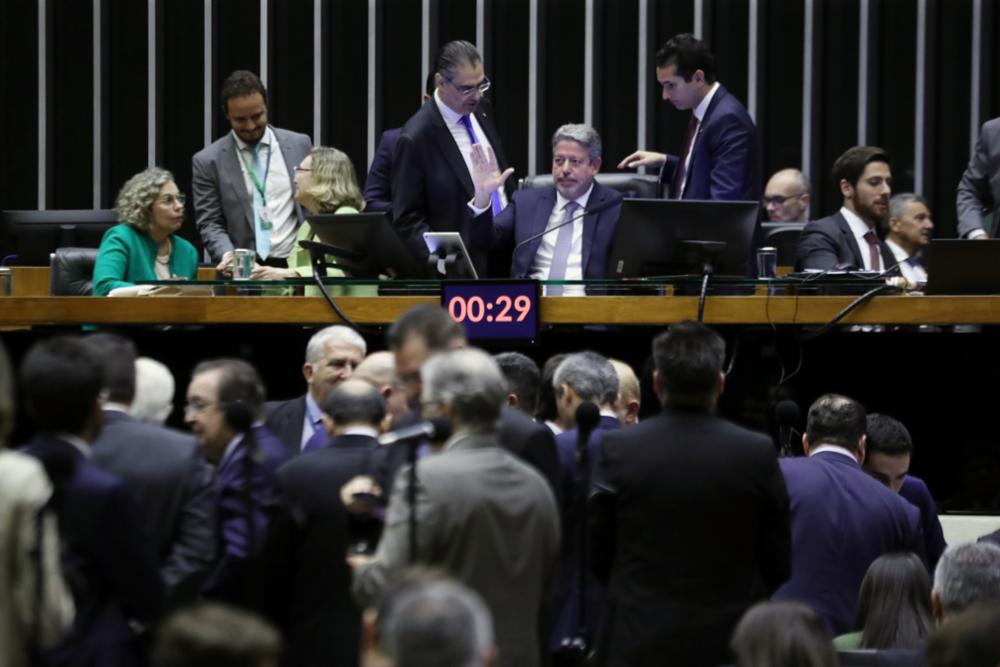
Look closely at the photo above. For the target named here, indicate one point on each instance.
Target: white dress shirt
(278, 189)
(699, 114)
(859, 228)
(915, 274)
(464, 141)
(836, 449)
(542, 263)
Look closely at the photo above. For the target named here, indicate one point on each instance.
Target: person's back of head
(782, 634)
(154, 391)
(887, 436)
(214, 635)
(689, 359)
(467, 385)
(970, 639)
(523, 377)
(546, 410)
(442, 624)
(355, 402)
(116, 354)
(836, 420)
(894, 603)
(590, 375)
(61, 382)
(966, 574)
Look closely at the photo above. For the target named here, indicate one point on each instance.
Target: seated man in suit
(842, 519)
(786, 196)
(887, 459)
(580, 213)
(244, 183)
(908, 232)
(848, 239)
(332, 354)
(967, 574)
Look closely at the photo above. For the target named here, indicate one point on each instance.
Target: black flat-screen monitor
(958, 266)
(365, 245)
(666, 237)
(33, 235)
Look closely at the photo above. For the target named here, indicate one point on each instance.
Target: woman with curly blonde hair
(143, 245)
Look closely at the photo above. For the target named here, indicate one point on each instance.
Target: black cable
(846, 311)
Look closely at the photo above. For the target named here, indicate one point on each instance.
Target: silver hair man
(966, 574)
(590, 375)
(582, 134)
(337, 333)
(154, 391)
(469, 382)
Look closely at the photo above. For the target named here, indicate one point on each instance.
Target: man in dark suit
(432, 178)
(720, 158)
(677, 582)
(979, 188)
(848, 239)
(108, 559)
(166, 471)
(225, 403)
(579, 244)
(332, 354)
(842, 518)
(310, 587)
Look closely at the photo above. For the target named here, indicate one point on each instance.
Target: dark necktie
(677, 183)
(495, 197)
(873, 250)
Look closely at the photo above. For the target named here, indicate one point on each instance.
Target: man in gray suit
(483, 516)
(979, 189)
(165, 470)
(243, 188)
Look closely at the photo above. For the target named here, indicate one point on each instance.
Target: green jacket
(128, 255)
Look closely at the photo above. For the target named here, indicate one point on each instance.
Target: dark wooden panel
(236, 45)
(616, 72)
(399, 61)
(290, 49)
(561, 52)
(126, 83)
(892, 93)
(19, 116)
(781, 90)
(727, 23)
(456, 19)
(345, 120)
(70, 104)
(507, 24)
(670, 17)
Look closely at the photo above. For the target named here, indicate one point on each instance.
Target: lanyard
(253, 177)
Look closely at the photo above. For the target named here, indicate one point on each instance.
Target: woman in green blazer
(143, 245)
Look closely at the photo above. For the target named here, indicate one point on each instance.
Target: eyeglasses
(467, 91)
(171, 200)
(779, 200)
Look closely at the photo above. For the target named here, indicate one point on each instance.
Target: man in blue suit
(581, 213)
(225, 406)
(842, 518)
(108, 558)
(720, 158)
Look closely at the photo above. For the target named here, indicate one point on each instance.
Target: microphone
(787, 414)
(587, 417)
(588, 211)
(436, 428)
(239, 416)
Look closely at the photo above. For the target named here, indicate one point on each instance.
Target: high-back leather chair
(783, 236)
(644, 186)
(71, 271)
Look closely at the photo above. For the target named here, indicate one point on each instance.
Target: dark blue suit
(829, 241)
(916, 492)
(109, 560)
(726, 161)
(842, 520)
(246, 488)
(378, 185)
(528, 215)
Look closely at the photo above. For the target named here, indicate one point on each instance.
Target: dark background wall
(350, 32)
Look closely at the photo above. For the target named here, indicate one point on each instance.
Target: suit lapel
(491, 134)
(233, 173)
(449, 149)
(597, 197)
(845, 229)
(285, 143)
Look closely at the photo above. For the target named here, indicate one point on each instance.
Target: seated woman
(143, 245)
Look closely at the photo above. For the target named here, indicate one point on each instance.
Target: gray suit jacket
(979, 189)
(487, 519)
(223, 209)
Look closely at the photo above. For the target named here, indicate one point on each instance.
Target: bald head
(629, 393)
(786, 196)
(379, 370)
(354, 403)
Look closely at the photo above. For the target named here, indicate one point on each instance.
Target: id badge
(266, 219)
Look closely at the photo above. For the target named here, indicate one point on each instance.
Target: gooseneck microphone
(436, 428)
(588, 211)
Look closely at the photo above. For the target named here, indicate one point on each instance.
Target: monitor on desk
(956, 266)
(33, 235)
(365, 245)
(662, 237)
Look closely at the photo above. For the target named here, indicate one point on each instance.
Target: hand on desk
(643, 159)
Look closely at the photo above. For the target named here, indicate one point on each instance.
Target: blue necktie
(495, 197)
(262, 236)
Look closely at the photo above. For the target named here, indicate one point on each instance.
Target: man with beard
(847, 239)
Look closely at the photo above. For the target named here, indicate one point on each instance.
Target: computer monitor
(957, 266)
(669, 237)
(365, 245)
(33, 235)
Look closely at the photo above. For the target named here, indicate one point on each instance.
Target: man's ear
(512, 400)
(307, 372)
(862, 447)
(657, 383)
(327, 424)
(846, 189)
(936, 609)
(805, 444)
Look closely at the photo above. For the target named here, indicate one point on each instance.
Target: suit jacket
(979, 189)
(246, 493)
(842, 520)
(531, 442)
(827, 242)
(486, 519)
(528, 214)
(431, 186)
(378, 185)
(175, 489)
(223, 209)
(677, 583)
(309, 587)
(285, 419)
(108, 559)
(726, 162)
(915, 491)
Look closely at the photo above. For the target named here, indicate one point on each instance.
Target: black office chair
(71, 271)
(785, 237)
(645, 186)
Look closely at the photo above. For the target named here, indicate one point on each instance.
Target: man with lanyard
(243, 183)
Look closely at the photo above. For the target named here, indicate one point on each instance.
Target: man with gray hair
(332, 354)
(966, 574)
(580, 213)
(483, 516)
(908, 232)
(440, 623)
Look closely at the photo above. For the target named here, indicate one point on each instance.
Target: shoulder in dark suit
(689, 528)
(174, 487)
(431, 185)
(829, 242)
(842, 520)
(378, 185)
(285, 420)
(530, 441)
(915, 491)
(528, 214)
(108, 559)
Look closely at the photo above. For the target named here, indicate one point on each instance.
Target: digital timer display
(501, 309)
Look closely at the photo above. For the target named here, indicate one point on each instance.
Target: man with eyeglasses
(433, 177)
(244, 184)
(786, 197)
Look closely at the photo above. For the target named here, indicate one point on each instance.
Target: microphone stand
(411, 498)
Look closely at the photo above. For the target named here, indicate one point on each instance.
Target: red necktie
(678, 180)
(873, 253)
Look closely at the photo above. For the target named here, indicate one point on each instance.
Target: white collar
(581, 200)
(897, 251)
(267, 139)
(608, 412)
(446, 111)
(360, 430)
(699, 111)
(858, 226)
(77, 442)
(111, 406)
(836, 449)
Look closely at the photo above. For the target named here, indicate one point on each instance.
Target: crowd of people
(432, 504)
